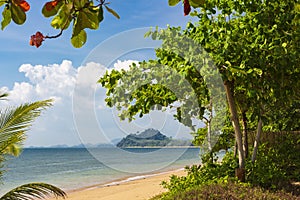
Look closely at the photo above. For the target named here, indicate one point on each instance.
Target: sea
(78, 168)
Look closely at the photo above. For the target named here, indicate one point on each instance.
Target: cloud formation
(56, 81)
(79, 114)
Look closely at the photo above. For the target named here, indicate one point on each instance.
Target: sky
(69, 76)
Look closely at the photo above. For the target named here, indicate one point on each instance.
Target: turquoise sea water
(77, 168)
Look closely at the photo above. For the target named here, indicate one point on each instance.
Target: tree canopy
(254, 46)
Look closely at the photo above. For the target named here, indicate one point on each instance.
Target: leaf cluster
(82, 14)
(12, 12)
(155, 85)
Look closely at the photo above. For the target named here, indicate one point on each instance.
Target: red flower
(51, 5)
(187, 7)
(37, 39)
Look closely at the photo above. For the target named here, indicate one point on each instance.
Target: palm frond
(33, 191)
(3, 95)
(14, 122)
(14, 150)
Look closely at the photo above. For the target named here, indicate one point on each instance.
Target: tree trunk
(257, 138)
(209, 126)
(245, 134)
(209, 136)
(236, 126)
(235, 150)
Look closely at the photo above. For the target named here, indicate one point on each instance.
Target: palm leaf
(3, 95)
(14, 122)
(33, 191)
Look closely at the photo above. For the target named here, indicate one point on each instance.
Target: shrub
(223, 191)
(277, 164)
(198, 175)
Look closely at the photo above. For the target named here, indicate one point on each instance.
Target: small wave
(76, 170)
(138, 178)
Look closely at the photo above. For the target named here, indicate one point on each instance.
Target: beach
(134, 188)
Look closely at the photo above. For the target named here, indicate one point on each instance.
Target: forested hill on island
(151, 138)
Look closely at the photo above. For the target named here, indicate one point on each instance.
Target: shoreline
(160, 147)
(136, 187)
(124, 180)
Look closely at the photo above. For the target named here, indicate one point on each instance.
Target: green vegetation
(254, 47)
(256, 53)
(277, 168)
(82, 14)
(231, 190)
(14, 122)
(150, 138)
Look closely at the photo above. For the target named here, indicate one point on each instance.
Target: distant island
(151, 138)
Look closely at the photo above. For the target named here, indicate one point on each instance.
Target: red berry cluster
(37, 39)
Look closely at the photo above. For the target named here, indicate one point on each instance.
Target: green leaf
(79, 39)
(34, 191)
(14, 122)
(63, 19)
(14, 150)
(196, 3)
(258, 71)
(228, 63)
(2, 3)
(17, 14)
(173, 2)
(100, 14)
(284, 45)
(80, 3)
(112, 12)
(87, 19)
(6, 18)
(54, 11)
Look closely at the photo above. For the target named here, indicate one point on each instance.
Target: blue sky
(15, 49)
(30, 73)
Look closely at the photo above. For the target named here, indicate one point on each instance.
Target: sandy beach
(137, 189)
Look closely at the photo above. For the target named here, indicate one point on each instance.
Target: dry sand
(144, 188)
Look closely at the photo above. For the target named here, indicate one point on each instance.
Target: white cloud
(124, 64)
(78, 99)
(89, 74)
(55, 81)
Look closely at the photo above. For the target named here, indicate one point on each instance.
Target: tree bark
(257, 138)
(209, 126)
(245, 134)
(236, 125)
(235, 149)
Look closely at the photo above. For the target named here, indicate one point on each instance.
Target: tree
(81, 13)
(172, 82)
(14, 122)
(253, 45)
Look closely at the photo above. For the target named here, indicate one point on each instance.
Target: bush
(203, 174)
(230, 191)
(277, 164)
